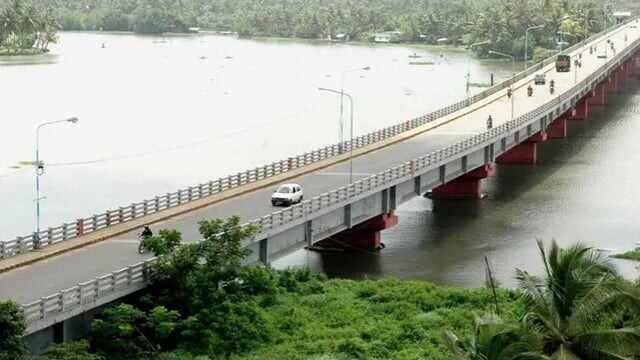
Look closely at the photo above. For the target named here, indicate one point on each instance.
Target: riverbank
(22, 52)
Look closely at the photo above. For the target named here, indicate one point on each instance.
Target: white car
(287, 194)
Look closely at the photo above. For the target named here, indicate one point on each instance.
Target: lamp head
(366, 68)
(73, 120)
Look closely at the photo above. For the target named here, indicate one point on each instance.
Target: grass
(386, 319)
(629, 255)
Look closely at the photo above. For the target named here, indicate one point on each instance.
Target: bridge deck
(48, 276)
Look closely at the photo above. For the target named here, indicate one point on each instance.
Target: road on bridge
(31, 282)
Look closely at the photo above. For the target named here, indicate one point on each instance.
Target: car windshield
(284, 190)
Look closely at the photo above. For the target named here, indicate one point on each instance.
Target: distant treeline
(502, 22)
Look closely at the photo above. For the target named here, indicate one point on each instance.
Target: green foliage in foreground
(12, 325)
(309, 317)
(205, 305)
(629, 255)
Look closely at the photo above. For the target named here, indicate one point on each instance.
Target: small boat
(414, 56)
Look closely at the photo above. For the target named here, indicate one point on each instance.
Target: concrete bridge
(64, 274)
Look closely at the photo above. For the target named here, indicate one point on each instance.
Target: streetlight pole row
(526, 44)
(342, 94)
(39, 166)
(342, 79)
(513, 59)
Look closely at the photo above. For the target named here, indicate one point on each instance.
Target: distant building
(341, 37)
(621, 16)
(388, 37)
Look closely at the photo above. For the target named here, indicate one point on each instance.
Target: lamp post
(526, 44)
(342, 94)
(39, 166)
(342, 78)
(469, 63)
(513, 59)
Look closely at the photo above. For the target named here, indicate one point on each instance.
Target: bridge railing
(134, 275)
(82, 226)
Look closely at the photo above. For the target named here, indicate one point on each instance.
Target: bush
(78, 350)
(12, 326)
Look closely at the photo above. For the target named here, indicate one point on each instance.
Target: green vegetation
(629, 255)
(12, 325)
(426, 21)
(26, 29)
(204, 304)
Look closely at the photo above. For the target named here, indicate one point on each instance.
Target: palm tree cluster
(27, 26)
(581, 309)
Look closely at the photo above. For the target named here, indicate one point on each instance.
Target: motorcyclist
(552, 85)
(146, 233)
(530, 91)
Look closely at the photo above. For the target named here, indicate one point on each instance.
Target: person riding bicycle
(146, 233)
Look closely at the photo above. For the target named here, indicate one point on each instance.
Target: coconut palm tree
(572, 308)
(493, 339)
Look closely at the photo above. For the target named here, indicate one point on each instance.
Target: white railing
(91, 291)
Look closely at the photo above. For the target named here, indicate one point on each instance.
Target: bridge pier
(362, 237)
(558, 129)
(466, 186)
(599, 95)
(525, 152)
(581, 110)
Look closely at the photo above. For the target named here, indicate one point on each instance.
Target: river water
(160, 113)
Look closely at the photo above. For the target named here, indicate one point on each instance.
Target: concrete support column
(525, 152)
(558, 128)
(466, 186)
(263, 252)
(362, 237)
(581, 110)
(599, 95)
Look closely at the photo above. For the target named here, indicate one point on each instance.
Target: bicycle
(141, 247)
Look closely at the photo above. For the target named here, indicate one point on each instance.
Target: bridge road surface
(48, 276)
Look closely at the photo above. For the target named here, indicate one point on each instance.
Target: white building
(388, 37)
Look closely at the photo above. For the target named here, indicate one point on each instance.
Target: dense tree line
(502, 22)
(26, 27)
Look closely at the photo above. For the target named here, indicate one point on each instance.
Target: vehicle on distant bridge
(287, 194)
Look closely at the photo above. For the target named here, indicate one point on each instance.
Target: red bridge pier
(466, 186)
(525, 152)
(362, 237)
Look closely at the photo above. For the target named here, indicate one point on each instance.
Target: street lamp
(526, 44)
(342, 78)
(469, 62)
(342, 93)
(513, 59)
(39, 166)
